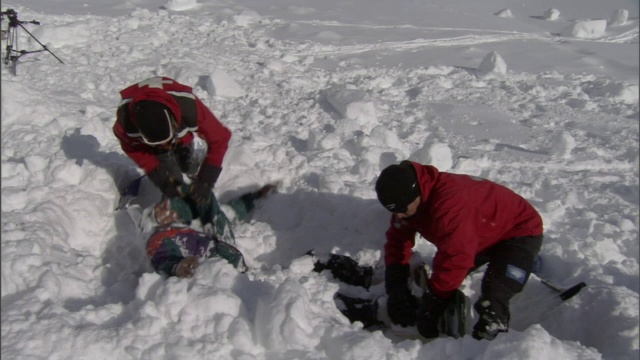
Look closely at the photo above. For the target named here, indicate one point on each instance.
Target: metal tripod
(12, 52)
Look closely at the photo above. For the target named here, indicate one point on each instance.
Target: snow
(492, 66)
(504, 13)
(552, 14)
(221, 84)
(181, 5)
(587, 29)
(619, 17)
(320, 96)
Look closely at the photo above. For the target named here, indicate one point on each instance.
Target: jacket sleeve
(141, 154)
(213, 133)
(400, 241)
(455, 254)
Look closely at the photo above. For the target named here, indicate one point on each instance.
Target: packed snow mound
(492, 66)
(613, 91)
(619, 17)
(504, 13)
(246, 18)
(181, 5)
(586, 29)
(563, 144)
(220, 83)
(436, 154)
(292, 329)
(352, 104)
(552, 14)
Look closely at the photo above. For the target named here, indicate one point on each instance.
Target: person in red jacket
(156, 123)
(472, 222)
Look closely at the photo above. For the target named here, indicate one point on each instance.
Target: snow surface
(320, 97)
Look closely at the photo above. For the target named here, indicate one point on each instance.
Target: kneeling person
(471, 221)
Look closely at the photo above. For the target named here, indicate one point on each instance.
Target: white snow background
(541, 96)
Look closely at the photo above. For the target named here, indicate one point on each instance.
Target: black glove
(183, 157)
(429, 313)
(401, 304)
(200, 190)
(168, 178)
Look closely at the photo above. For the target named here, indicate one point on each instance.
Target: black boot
(492, 320)
(363, 310)
(347, 270)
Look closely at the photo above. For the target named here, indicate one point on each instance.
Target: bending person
(471, 221)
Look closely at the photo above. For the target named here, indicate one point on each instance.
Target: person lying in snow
(175, 248)
(471, 221)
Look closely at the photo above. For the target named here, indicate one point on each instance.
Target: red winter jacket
(461, 215)
(191, 115)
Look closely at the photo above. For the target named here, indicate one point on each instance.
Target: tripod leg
(8, 48)
(12, 39)
(44, 48)
(14, 65)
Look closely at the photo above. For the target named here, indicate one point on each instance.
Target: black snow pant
(510, 265)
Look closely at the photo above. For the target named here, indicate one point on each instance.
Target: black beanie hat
(154, 121)
(397, 186)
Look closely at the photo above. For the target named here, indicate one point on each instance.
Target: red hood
(427, 177)
(159, 95)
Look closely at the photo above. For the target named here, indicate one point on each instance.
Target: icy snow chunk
(203, 304)
(283, 320)
(626, 225)
(586, 29)
(330, 141)
(302, 265)
(552, 14)
(170, 298)
(619, 17)
(148, 286)
(222, 84)
(436, 154)
(472, 166)
(14, 174)
(240, 336)
(614, 91)
(382, 136)
(246, 18)
(69, 172)
(491, 67)
(275, 65)
(289, 58)
(181, 5)
(504, 13)
(562, 146)
(36, 163)
(352, 104)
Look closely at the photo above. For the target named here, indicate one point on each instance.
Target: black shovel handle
(572, 291)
